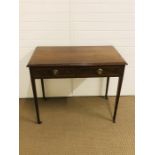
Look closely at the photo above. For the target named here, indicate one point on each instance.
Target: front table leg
(43, 88)
(107, 87)
(117, 97)
(35, 99)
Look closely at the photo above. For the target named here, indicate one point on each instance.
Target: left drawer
(52, 72)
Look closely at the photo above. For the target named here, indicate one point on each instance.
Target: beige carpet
(77, 126)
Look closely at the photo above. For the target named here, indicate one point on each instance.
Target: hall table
(76, 62)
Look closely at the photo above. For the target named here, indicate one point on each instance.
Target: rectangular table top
(75, 56)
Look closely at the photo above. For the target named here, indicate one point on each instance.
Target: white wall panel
(76, 22)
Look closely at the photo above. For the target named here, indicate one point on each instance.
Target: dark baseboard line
(53, 97)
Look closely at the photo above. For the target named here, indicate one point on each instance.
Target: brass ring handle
(100, 71)
(55, 72)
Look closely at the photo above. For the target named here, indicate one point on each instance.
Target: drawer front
(100, 71)
(52, 72)
(76, 72)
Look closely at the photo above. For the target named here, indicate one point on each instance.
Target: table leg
(43, 88)
(117, 97)
(107, 87)
(35, 99)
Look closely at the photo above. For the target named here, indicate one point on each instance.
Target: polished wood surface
(76, 56)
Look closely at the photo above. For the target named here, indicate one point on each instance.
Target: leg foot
(114, 121)
(39, 122)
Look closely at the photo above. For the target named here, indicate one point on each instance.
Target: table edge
(76, 65)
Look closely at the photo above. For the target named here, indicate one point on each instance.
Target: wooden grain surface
(75, 56)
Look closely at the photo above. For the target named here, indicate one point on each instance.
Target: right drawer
(99, 71)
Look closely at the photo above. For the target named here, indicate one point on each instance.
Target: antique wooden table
(76, 62)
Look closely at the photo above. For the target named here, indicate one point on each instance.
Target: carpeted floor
(77, 126)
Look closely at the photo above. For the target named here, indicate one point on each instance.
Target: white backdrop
(76, 22)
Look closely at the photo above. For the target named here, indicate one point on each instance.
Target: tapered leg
(43, 88)
(117, 97)
(107, 87)
(35, 99)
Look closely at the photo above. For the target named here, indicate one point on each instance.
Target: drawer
(76, 72)
(52, 72)
(99, 71)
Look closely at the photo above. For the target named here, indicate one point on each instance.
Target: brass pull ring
(100, 71)
(55, 72)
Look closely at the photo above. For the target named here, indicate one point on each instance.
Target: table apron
(76, 72)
